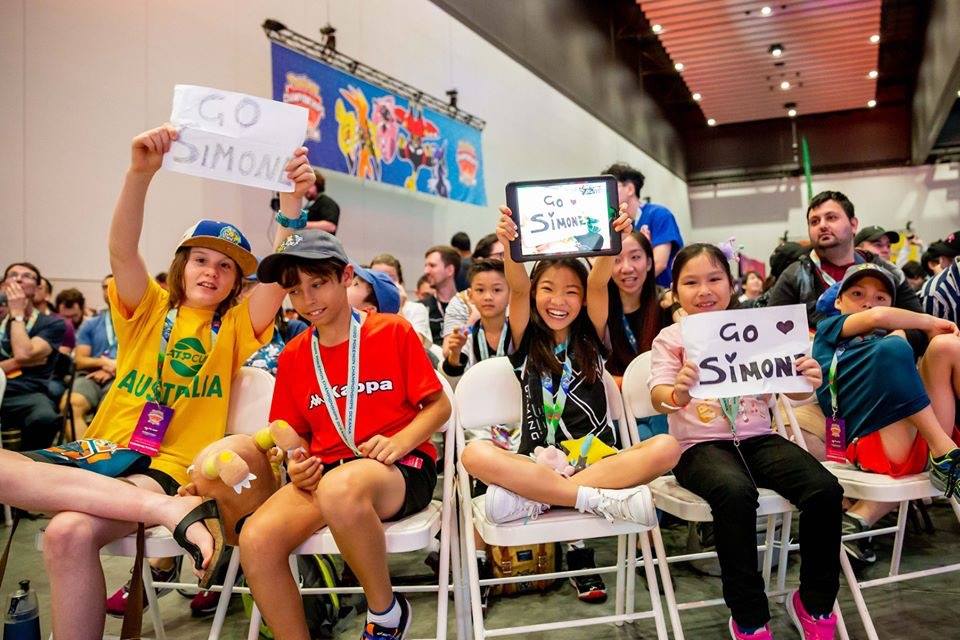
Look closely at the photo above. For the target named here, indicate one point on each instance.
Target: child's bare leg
(940, 372)
(639, 464)
(520, 474)
(354, 499)
(932, 430)
(279, 526)
(869, 512)
(37, 486)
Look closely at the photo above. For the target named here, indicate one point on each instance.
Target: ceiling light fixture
(791, 108)
(792, 113)
(678, 66)
(871, 103)
(711, 122)
(696, 97)
(875, 38)
(776, 50)
(873, 74)
(765, 11)
(785, 85)
(657, 28)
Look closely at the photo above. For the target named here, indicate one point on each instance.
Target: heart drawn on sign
(730, 356)
(785, 326)
(573, 201)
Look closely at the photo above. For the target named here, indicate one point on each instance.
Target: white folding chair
(7, 514)
(670, 497)
(250, 396)
(489, 393)
(413, 533)
(863, 485)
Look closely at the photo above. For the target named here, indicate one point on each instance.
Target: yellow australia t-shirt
(196, 375)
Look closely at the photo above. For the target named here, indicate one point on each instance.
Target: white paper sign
(553, 216)
(234, 137)
(747, 351)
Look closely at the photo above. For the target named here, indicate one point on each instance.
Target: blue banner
(358, 128)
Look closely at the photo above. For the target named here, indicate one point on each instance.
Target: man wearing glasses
(28, 344)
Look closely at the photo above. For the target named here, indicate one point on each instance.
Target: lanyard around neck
(485, 348)
(554, 403)
(108, 327)
(165, 334)
(345, 426)
(832, 379)
(631, 336)
(31, 322)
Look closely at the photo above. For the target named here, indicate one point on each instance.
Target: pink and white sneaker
(811, 628)
(759, 634)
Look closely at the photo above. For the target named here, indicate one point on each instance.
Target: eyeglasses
(22, 275)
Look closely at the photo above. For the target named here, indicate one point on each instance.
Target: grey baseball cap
(868, 270)
(307, 244)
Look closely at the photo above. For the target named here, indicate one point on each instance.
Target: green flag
(807, 174)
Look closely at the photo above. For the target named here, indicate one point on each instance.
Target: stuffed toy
(555, 459)
(240, 472)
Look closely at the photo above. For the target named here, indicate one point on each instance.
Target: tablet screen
(571, 217)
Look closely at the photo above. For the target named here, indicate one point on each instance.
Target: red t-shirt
(834, 271)
(395, 377)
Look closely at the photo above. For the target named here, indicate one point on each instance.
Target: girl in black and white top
(559, 361)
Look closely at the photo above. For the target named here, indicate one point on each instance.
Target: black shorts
(420, 479)
(104, 458)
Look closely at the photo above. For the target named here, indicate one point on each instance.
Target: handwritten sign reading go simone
(747, 351)
(234, 137)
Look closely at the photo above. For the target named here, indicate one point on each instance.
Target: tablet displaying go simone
(567, 217)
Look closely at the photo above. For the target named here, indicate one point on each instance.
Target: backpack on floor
(525, 560)
(323, 611)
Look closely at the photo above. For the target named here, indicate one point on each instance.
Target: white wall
(758, 213)
(81, 78)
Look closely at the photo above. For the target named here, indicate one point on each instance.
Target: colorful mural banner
(358, 128)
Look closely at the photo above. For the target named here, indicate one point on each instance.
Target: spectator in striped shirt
(941, 293)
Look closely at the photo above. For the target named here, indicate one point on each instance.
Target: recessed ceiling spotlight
(678, 66)
(785, 85)
(656, 28)
(776, 50)
(875, 38)
(765, 11)
(873, 74)
(711, 122)
(696, 97)
(871, 103)
(792, 113)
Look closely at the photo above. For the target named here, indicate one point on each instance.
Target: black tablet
(566, 217)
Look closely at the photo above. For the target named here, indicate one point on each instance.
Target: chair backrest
(488, 393)
(448, 391)
(251, 394)
(636, 394)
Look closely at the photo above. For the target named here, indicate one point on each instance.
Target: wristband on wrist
(673, 398)
(292, 223)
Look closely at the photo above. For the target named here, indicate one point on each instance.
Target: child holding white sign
(559, 361)
(729, 452)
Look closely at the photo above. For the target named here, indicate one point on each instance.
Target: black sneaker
(860, 549)
(373, 631)
(590, 588)
(484, 571)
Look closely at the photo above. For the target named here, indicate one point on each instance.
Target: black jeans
(36, 416)
(715, 472)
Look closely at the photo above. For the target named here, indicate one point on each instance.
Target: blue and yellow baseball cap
(222, 237)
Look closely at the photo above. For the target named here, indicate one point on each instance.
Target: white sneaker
(502, 506)
(633, 505)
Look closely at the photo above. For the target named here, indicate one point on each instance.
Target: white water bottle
(22, 619)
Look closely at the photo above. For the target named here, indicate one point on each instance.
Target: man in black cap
(876, 240)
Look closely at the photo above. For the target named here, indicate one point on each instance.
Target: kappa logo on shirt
(369, 387)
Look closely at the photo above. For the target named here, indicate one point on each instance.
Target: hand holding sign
(750, 352)
(234, 137)
(147, 149)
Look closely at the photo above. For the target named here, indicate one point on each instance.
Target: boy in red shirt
(360, 389)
